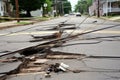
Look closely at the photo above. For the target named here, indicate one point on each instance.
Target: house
(38, 12)
(5, 8)
(106, 7)
(111, 7)
(2, 8)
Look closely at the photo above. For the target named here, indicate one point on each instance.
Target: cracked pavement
(104, 68)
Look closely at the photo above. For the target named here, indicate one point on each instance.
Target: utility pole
(62, 6)
(44, 9)
(17, 10)
(98, 9)
(56, 8)
(8, 8)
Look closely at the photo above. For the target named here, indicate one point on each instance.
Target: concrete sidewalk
(9, 24)
(117, 18)
(14, 23)
(114, 18)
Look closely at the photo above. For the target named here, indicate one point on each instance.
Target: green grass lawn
(23, 23)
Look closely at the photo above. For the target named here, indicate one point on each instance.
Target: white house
(37, 13)
(111, 6)
(106, 7)
(6, 8)
(2, 8)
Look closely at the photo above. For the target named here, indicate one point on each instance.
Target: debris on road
(63, 67)
(41, 56)
(40, 61)
(56, 35)
(63, 55)
(47, 75)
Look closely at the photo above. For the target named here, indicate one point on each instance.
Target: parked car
(78, 14)
(66, 15)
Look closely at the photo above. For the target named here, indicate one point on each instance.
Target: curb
(105, 18)
(16, 25)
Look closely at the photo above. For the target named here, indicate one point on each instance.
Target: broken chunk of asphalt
(9, 68)
(2, 76)
(47, 37)
(53, 42)
(12, 67)
(64, 55)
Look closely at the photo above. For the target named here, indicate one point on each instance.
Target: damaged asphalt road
(92, 54)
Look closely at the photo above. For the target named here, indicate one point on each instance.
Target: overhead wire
(96, 42)
(25, 30)
(78, 26)
(18, 31)
(105, 38)
(87, 28)
(69, 37)
(62, 39)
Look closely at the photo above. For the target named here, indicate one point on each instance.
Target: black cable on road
(102, 37)
(103, 57)
(81, 43)
(79, 25)
(63, 39)
(68, 38)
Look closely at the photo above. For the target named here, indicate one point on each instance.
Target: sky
(73, 3)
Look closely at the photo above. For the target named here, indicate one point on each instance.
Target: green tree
(89, 2)
(61, 6)
(83, 6)
(47, 8)
(28, 5)
(67, 7)
(49, 3)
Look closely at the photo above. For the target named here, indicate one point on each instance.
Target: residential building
(38, 12)
(2, 8)
(106, 7)
(5, 8)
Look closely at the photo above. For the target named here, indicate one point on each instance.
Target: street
(98, 39)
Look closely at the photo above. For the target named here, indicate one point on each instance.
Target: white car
(66, 15)
(78, 14)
